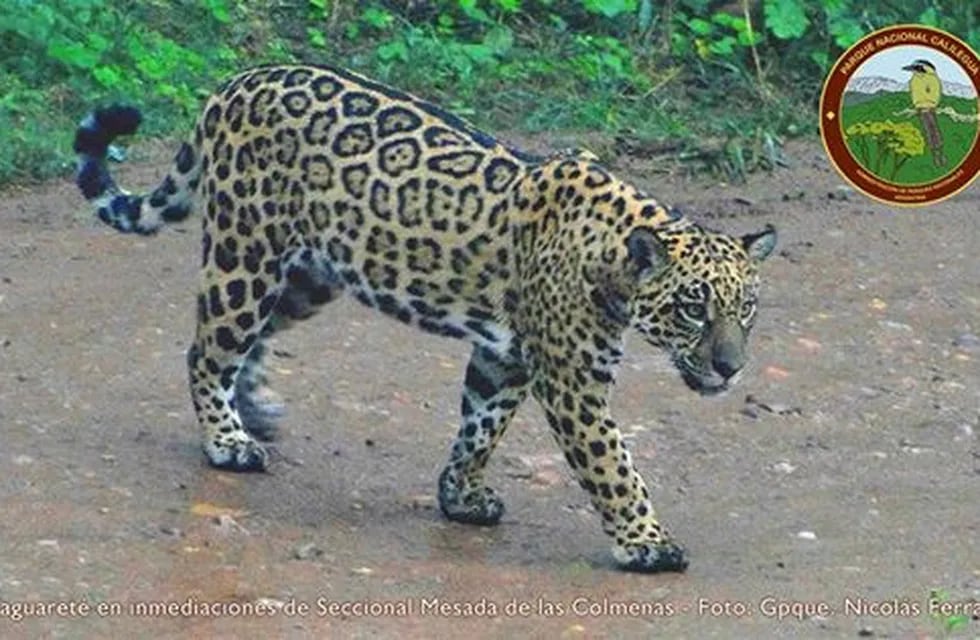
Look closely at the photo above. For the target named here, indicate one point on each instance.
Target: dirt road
(841, 480)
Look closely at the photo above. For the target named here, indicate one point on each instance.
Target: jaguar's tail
(143, 214)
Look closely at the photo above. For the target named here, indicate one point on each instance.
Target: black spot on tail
(92, 139)
(103, 126)
(92, 178)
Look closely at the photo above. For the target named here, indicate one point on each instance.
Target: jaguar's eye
(694, 311)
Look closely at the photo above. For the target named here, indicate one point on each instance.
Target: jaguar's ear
(760, 245)
(647, 253)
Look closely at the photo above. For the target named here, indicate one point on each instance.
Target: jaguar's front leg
(581, 424)
(495, 385)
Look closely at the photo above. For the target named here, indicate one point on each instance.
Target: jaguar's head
(696, 297)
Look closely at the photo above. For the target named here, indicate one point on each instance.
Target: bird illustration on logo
(925, 90)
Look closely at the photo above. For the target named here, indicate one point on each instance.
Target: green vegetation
(947, 622)
(886, 137)
(719, 81)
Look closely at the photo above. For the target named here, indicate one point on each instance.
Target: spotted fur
(316, 181)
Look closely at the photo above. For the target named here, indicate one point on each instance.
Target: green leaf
(786, 18)
(821, 58)
(73, 53)
(316, 38)
(473, 12)
(723, 46)
(952, 623)
(614, 63)
(97, 42)
(219, 10)
(377, 18)
(747, 38)
(108, 76)
(929, 17)
(699, 26)
(394, 50)
(499, 40)
(508, 6)
(846, 31)
(610, 8)
(644, 17)
(477, 52)
(724, 19)
(154, 68)
(834, 7)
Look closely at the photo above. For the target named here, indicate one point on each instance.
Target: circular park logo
(899, 115)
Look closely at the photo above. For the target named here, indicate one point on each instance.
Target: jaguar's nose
(724, 368)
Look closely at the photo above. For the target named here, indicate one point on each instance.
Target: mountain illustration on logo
(862, 88)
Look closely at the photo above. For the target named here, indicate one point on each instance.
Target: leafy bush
(705, 72)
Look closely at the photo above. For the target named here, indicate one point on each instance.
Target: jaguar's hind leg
(234, 316)
(258, 406)
(220, 350)
(310, 283)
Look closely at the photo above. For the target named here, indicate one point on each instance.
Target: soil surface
(833, 488)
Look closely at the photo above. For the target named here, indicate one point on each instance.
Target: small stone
(967, 342)
(362, 571)
(170, 531)
(784, 410)
(108, 457)
(422, 501)
(908, 446)
(22, 459)
(227, 524)
(806, 535)
(866, 632)
(49, 543)
(784, 467)
(368, 442)
(808, 344)
(775, 373)
(307, 551)
(548, 477)
(878, 304)
(776, 408)
(895, 326)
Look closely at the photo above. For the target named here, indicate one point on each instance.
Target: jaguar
(314, 181)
